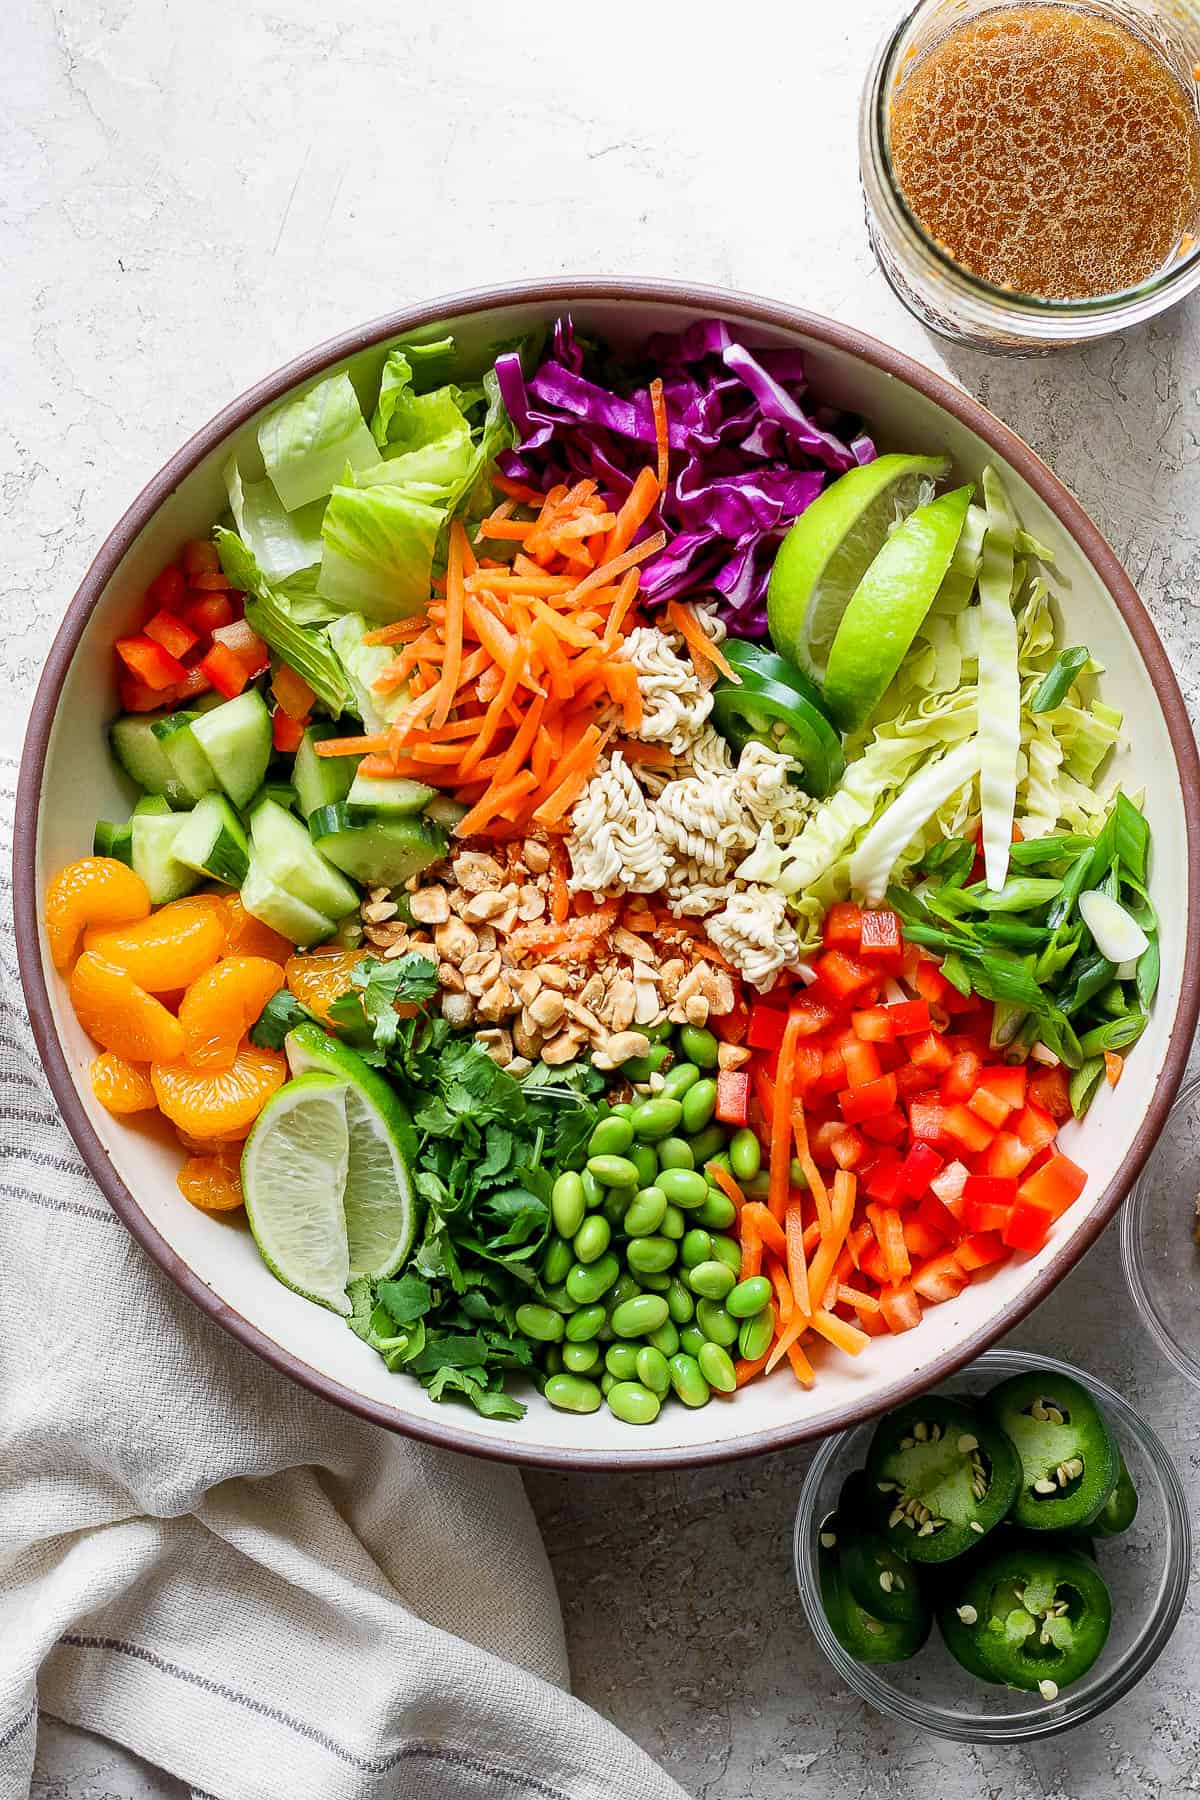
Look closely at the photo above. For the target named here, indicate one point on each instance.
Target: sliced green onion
(1114, 1034)
(1084, 1082)
(1118, 935)
(1067, 665)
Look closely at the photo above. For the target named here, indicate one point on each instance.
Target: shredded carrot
(784, 1297)
(517, 490)
(752, 1248)
(855, 1297)
(781, 1133)
(768, 1227)
(797, 1268)
(840, 1332)
(802, 1369)
(455, 598)
(654, 756)
(705, 653)
(1113, 1067)
(639, 503)
(396, 634)
(746, 1371)
(658, 405)
(358, 746)
(845, 1187)
(494, 801)
(812, 1174)
(728, 1186)
(560, 896)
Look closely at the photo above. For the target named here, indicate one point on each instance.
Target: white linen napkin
(238, 1581)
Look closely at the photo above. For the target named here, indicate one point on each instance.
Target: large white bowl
(65, 787)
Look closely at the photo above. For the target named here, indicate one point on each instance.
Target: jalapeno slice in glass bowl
(1032, 1618)
(1069, 1458)
(880, 1579)
(946, 1475)
(863, 1634)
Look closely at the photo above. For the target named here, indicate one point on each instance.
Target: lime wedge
(293, 1173)
(830, 548)
(381, 1215)
(888, 606)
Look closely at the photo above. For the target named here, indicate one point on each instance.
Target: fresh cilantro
(405, 1300)
(282, 1013)
(365, 1015)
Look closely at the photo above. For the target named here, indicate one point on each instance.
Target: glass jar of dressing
(1031, 168)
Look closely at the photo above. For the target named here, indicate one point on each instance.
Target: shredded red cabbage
(747, 455)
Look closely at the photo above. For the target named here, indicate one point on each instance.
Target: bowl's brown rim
(553, 294)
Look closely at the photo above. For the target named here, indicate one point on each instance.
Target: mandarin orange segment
(222, 1004)
(96, 890)
(218, 1103)
(120, 1015)
(169, 949)
(317, 977)
(210, 1183)
(248, 936)
(121, 1086)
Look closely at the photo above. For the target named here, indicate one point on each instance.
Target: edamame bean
(679, 1079)
(656, 1280)
(685, 1187)
(552, 1361)
(646, 1212)
(728, 1251)
(650, 1255)
(593, 1193)
(644, 1160)
(673, 1223)
(719, 1161)
(592, 1239)
(623, 1110)
(558, 1259)
(539, 1323)
(748, 1297)
(568, 1204)
(666, 1338)
(796, 1176)
(613, 1171)
(621, 1360)
(688, 1382)
(633, 1404)
(607, 1383)
(690, 1339)
(675, 1153)
(658, 1034)
(699, 1046)
(712, 1280)
(624, 1289)
(572, 1393)
(758, 1186)
(696, 1247)
(754, 1337)
(641, 1068)
(616, 1205)
(587, 1281)
(745, 1154)
(716, 1323)
(580, 1359)
(612, 1136)
(717, 1213)
(559, 1297)
(680, 1304)
(716, 1368)
(635, 1318)
(656, 1119)
(587, 1324)
(652, 1370)
(699, 1104)
(707, 1144)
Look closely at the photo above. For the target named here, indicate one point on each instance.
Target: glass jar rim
(1175, 280)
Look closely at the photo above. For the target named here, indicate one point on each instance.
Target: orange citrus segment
(169, 949)
(248, 936)
(222, 1004)
(316, 978)
(120, 1015)
(97, 890)
(121, 1086)
(210, 1183)
(218, 1103)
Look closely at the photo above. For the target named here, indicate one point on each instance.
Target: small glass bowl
(1146, 1570)
(1158, 1249)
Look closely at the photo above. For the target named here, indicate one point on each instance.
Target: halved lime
(293, 1173)
(830, 548)
(381, 1214)
(888, 606)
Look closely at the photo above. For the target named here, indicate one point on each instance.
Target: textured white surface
(192, 191)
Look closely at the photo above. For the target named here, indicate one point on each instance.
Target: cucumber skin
(397, 797)
(138, 752)
(224, 853)
(264, 900)
(291, 861)
(193, 771)
(380, 853)
(113, 840)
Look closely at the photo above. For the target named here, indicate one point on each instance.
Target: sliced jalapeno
(881, 1581)
(779, 706)
(1032, 1618)
(944, 1475)
(1070, 1463)
(861, 1634)
(1120, 1509)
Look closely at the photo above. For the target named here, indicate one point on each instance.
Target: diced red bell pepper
(821, 1142)
(1034, 1126)
(960, 1078)
(911, 1079)
(766, 1027)
(1028, 1225)
(942, 1277)
(200, 557)
(842, 976)
(287, 734)
(880, 941)
(196, 682)
(151, 664)
(848, 1148)
(1007, 1081)
(175, 637)
(938, 1218)
(984, 1215)
(920, 1239)
(873, 1323)
(966, 1128)
(927, 1119)
(1006, 1156)
(813, 1015)
(910, 1018)
(990, 1190)
(734, 1024)
(137, 697)
(868, 1102)
(227, 672)
(733, 1096)
(889, 1128)
(990, 1107)
(292, 692)
(167, 590)
(931, 984)
(873, 1025)
(1056, 1185)
(806, 1068)
(210, 581)
(244, 642)
(920, 1166)
(1050, 1089)
(833, 1074)
(861, 1063)
(899, 1307)
(842, 927)
(206, 613)
(981, 1250)
(883, 1182)
(931, 1052)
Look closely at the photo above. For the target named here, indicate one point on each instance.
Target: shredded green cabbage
(999, 683)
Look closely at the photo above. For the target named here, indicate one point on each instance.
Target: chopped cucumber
(321, 780)
(213, 842)
(154, 829)
(445, 812)
(282, 911)
(281, 792)
(387, 794)
(193, 771)
(113, 840)
(236, 738)
(380, 853)
(134, 745)
(293, 862)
